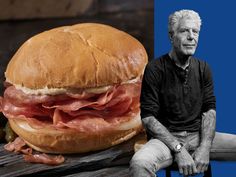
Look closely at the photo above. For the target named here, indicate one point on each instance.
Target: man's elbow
(148, 121)
(211, 113)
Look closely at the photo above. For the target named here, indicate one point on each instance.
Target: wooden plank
(13, 164)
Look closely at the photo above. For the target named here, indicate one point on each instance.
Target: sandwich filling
(82, 111)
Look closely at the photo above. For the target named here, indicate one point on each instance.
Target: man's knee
(139, 163)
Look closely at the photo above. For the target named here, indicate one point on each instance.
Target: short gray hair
(176, 16)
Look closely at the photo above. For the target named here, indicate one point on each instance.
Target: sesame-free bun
(66, 141)
(85, 55)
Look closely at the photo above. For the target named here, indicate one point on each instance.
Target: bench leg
(208, 172)
(168, 173)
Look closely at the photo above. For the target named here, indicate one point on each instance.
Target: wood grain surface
(110, 162)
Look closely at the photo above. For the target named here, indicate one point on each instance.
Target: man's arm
(159, 131)
(183, 158)
(208, 109)
(208, 128)
(150, 105)
(202, 154)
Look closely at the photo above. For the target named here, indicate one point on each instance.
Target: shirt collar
(177, 66)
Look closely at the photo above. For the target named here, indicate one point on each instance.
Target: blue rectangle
(217, 46)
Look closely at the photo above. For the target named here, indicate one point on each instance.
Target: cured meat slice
(74, 110)
(44, 158)
(28, 111)
(18, 145)
(20, 98)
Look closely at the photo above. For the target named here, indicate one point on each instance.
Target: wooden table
(112, 162)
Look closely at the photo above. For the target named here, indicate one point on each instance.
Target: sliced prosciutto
(19, 146)
(44, 158)
(74, 110)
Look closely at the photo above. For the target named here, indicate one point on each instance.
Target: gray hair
(176, 16)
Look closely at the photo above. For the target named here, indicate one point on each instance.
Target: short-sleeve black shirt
(177, 97)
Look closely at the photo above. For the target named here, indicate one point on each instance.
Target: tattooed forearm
(157, 130)
(208, 127)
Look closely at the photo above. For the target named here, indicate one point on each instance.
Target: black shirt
(177, 97)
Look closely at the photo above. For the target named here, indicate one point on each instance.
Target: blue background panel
(217, 46)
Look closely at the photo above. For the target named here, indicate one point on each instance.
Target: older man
(178, 107)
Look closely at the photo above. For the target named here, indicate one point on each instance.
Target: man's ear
(171, 36)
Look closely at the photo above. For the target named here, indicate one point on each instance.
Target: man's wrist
(178, 148)
(206, 145)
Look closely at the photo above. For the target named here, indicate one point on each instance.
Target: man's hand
(201, 155)
(201, 158)
(185, 162)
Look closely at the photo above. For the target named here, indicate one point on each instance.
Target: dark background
(21, 19)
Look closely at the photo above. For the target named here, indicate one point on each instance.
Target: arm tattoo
(157, 130)
(208, 127)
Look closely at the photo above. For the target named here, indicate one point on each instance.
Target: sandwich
(75, 89)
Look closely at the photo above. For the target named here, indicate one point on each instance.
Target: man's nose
(190, 35)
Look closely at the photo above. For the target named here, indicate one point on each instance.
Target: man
(178, 107)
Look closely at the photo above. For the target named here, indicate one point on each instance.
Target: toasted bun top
(85, 55)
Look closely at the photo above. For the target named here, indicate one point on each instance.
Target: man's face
(185, 37)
